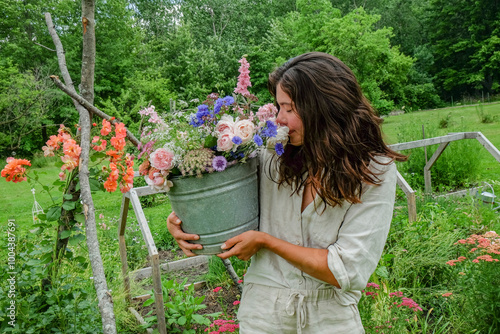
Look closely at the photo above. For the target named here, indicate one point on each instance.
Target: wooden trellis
(155, 269)
(443, 142)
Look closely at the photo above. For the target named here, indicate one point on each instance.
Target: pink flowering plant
(383, 311)
(476, 271)
(218, 133)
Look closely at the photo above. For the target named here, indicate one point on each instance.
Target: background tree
(466, 46)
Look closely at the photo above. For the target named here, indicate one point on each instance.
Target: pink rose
(161, 159)
(225, 124)
(245, 130)
(225, 141)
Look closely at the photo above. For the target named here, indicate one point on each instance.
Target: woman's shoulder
(382, 164)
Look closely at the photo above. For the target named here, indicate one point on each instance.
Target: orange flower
(14, 170)
(120, 130)
(144, 167)
(106, 127)
(70, 163)
(71, 149)
(110, 185)
(118, 143)
(114, 155)
(101, 147)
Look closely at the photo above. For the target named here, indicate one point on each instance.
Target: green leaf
(210, 141)
(54, 213)
(69, 205)
(33, 262)
(97, 155)
(382, 272)
(148, 302)
(95, 185)
(65, 234)
(80, 217)
(42, 216)
(69, 197)
(58, 183)
(182, 321)
(76, 239)
(198, 318)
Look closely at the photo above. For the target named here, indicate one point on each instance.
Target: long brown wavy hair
(341, 130)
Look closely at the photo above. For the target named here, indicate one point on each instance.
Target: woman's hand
(243, 246)
(174, 227)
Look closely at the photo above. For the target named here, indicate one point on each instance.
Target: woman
(325, 205)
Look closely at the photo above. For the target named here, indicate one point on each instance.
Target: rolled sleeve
(361, 239)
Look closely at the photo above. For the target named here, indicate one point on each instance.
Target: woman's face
(289, 117)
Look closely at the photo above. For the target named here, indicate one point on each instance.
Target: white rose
(245, 130)
(281, 137)
(225, 141)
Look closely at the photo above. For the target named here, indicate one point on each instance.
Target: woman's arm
(312, 261)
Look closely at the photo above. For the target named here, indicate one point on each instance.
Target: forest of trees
(407, 54)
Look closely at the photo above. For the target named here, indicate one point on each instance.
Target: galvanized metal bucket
(218, 206)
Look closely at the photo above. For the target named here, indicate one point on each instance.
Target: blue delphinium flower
(219, 163)
(196, 122)
(279, 149)
(258, 140)
(271, 130)
(228, 100)
(237, 140)
(218, 104)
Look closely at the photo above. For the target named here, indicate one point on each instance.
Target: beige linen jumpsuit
(279, 298)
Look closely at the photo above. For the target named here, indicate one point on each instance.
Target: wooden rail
(443, 142)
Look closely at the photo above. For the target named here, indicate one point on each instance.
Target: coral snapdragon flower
(14, 170)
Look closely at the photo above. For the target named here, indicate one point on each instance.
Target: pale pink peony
(245, 130)
(162, 159)
(225, 124)
(225, 141)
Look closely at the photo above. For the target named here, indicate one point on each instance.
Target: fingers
(230, 242)
(174, 227)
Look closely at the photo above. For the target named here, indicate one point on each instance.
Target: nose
(280, 118)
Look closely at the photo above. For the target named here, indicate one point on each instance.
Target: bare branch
(43, 46)
(60, 51)
(100, 284)
(74, 95)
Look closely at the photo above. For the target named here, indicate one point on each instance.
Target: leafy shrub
(181, 308)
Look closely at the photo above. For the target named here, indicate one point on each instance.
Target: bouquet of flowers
(220, 132)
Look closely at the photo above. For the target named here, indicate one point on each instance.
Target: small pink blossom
(217, 289)
(267, 112)
(447, 294)
(236, 302)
